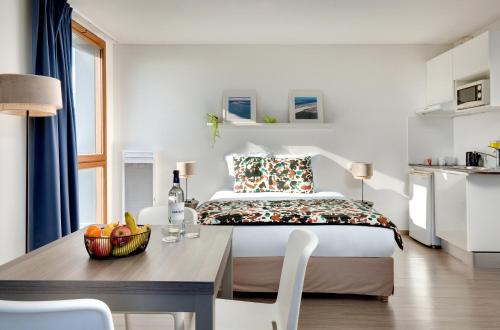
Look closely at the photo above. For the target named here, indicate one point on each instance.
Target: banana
(130, 221)
(133, 244)
(144, 229)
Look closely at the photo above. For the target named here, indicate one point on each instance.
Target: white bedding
(334, 241)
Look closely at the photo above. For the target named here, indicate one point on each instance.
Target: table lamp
(30, 96)
(186, 170)
(362, 171)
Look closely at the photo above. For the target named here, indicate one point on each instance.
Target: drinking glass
(171, 233)
(192, 229)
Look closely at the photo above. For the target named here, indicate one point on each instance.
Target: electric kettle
(473, 158)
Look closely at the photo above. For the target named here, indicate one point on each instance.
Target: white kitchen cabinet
(450, 208)
(440, 85)
(472, 58)
(466, 210)
(483, 197)
(475, 59)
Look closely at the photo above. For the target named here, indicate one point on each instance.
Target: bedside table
(191, 203)
(365, 203)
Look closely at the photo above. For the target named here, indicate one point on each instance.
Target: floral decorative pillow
(250, 174)
(266, 174)
(293, 175)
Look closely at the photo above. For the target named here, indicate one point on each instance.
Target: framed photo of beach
(305, 106)
(239, 106)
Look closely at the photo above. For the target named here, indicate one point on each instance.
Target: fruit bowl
(117, 246)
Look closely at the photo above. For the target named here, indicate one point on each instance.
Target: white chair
(79, 314)
(158, 215)
(284, 313)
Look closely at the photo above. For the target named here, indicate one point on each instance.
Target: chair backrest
(301, 245)
(158, 215)
(76, 314)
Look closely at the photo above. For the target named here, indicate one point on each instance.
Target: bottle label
(176, 210)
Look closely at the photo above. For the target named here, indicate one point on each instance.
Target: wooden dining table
(185, 276)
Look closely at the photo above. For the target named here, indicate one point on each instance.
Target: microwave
(473, 95)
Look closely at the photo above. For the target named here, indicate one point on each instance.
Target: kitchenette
(454, 154)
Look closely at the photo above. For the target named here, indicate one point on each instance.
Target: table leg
(205, 312)
(227, 279)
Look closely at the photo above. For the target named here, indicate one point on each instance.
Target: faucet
(496, 157)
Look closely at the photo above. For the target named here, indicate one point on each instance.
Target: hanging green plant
(213, 120)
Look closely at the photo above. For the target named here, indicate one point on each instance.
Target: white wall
(429, 137)
(15, 57)
(163, 93)
(473, 133)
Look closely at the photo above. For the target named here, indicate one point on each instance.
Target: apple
(101, 247)
(120, 235)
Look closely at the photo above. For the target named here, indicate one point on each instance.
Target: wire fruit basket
(117, 247)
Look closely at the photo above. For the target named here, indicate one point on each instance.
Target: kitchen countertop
(459, 169)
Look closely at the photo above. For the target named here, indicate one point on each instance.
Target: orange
(93, 231)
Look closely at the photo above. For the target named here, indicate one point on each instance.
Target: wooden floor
(433, 291)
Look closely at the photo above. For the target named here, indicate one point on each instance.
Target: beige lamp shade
(186, 169)
(20, 93)
(362, 170)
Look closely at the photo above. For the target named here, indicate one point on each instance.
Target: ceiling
(288, 21)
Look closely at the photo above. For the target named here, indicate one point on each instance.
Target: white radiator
(138, 181)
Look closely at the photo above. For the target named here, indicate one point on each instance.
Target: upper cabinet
(475, 59)
(440, 87)
(472, 58)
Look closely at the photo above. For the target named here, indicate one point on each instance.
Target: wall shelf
(276, 125)
(474, 111)
(459, 113)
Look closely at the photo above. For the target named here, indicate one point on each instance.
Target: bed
(351, 258)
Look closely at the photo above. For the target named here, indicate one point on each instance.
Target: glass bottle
(176, 202)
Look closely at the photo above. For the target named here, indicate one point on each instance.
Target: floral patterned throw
(269, 174)
(294, 212)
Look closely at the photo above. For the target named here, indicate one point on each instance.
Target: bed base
(341, 275)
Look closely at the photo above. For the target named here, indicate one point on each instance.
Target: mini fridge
(422, 227)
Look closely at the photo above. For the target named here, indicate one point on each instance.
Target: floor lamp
(30, 96)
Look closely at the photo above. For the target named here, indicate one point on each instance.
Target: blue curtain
(53, 166)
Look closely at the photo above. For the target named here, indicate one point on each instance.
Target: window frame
(97, 160)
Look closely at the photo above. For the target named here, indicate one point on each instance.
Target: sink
(463, 167)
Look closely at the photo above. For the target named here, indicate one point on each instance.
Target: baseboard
(464, 256)
(404, 232)
(487, 259)
(473, 259)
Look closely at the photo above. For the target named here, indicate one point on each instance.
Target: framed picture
(239, 106)
(305, 106)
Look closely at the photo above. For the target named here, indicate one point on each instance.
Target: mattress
(334, 240)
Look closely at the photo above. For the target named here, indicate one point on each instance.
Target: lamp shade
(362, 170)
(20, 93)
(186, 169)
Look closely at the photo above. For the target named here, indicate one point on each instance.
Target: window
(89, 92)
